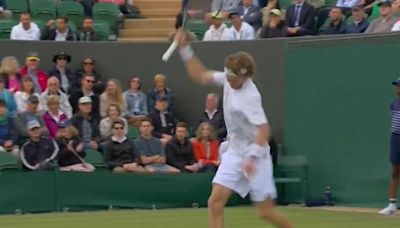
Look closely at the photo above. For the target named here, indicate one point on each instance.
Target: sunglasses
(90, 81)
(118, 128)
(62, 58)
(88, 63)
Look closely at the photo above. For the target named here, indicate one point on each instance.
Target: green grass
(196, 218)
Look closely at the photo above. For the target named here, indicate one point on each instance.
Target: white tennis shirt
(243, 113)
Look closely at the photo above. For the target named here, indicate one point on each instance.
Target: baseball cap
(385, 3)
(217, 15)
(33, 56)
(233, 13)
(85, 100)
(32, 124)
(161, 98)
(276, 12)
(357, 8)
(396, 82)
(33, 99)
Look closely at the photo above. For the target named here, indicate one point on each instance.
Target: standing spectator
(213, 115)
(240, 30)
(31, 69)
(4, 13)
(179, 151)
(87, 32)
(87, 125)
(386, 20)
(8, 99)
(337, 25)
(300, 19)
(89, 68)
(113, 114)
(26, 91)
(61, 70)
(10, 73)
(23, 118)
(360, 23)
(151, 150)
(266, 11)
(120, 153)
(26, 29)
(160, 89)
(135, 100)
(218, 30)
(61, 32)
(205, 147)
(7, 131)
(276, 27)
(250, 13)
(54, 116)
(53, 89)
(38, 153)
(112, 95)
(163, 122)
(86, 89)
(72, 152)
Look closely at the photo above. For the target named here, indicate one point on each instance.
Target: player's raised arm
(197, 72)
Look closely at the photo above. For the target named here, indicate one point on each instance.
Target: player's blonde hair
(241, 63)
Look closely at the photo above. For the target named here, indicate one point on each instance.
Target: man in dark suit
(164, 123)
(213, 115)
(250, 13)
(300, 19)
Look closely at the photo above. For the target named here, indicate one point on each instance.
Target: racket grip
(169, 51)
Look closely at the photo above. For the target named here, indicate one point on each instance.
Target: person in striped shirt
(394, 152)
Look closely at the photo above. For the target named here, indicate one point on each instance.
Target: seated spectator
(8, 99)
(113, 114)
(160, 89)
(213, 115)
(190, 36)
(86, 89)
(61, 31)
(179, 151)
(10, 73)
(300, 19)
(31, 69)
(224, 6)
(240, 30)
(151, 150)
(396, 8)
(26, 91)
(26, 29)
(385, 21)
(266, 11)
(4, 13)
(54, 116)
(62, 71)
(218, 30)
(23, 118)
(87, 125)
(38, 153)
(87, 32)
(112, 95)
(205, 147)
(71, 153)
(163, 122)
(250, 13)
(7, 131)
(135, 100)
(360, 23)
(276, 27)
(337, 25)
(120, 153)
(53, 89)
(89, 68)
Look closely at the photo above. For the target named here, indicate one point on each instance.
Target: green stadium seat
(17, 7)
(330, 2)
(72, 26)
(5, 28)
(43, 10)
(285, 3)
(133, 132)
(72, 10)
(103, 30)
(40, 24)
(198, 27)
(96, 159)
(106, 12)
(9, 163)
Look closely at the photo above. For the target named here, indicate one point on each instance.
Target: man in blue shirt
(359, 23)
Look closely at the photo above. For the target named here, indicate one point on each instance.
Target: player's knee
(214, 203)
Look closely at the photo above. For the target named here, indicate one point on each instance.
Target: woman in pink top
(10, 73)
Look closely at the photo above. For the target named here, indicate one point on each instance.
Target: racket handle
(169, 51)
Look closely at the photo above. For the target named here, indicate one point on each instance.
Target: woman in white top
(26, 90)
(113, 114)
(112, 95)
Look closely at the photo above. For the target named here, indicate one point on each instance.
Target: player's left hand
(249, 167)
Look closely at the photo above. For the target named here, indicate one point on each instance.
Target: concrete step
(150, 23)
(144, 40)
(151, 4)
(159, 12)
(145, 32)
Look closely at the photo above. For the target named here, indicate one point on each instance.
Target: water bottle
(328, 196)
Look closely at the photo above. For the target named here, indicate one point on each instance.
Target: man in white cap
(38, 153)
(217, 30)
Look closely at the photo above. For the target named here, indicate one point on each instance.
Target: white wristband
(186, 53)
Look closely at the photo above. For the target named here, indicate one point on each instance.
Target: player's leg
(393, 187)
(216, 203)
(267, 213)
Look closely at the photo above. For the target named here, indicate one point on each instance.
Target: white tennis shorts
(261, 185)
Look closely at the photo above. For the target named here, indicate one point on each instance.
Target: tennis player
(246, 166)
